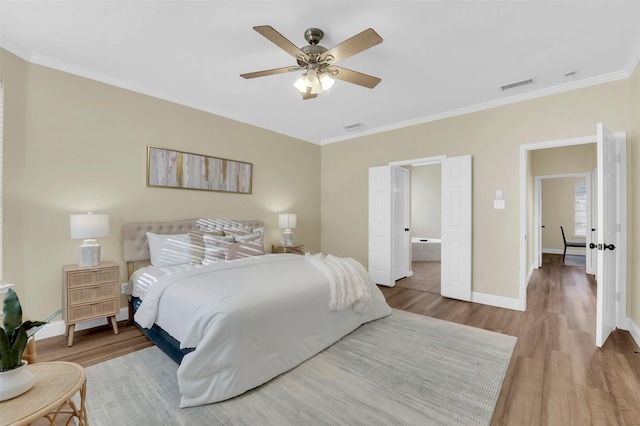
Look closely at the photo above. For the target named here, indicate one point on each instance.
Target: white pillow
(169, 249)
(213, 248)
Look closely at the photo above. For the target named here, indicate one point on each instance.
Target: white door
(400, 222)
(456, 228)
(538, 222)
(380, 258)
(607, 235)
(592, 258)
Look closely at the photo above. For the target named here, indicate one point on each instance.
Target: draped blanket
(349, 281)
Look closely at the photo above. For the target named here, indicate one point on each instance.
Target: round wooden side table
(50, 397)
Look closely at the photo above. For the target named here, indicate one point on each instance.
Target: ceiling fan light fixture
(326, 81)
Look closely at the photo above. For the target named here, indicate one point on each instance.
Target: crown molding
(605, 78)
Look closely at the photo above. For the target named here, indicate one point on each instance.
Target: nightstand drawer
(93, 293)
(93, 310)
(92, 277)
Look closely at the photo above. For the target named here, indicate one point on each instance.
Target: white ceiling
(438, 58)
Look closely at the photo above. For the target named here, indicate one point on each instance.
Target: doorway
(386, 227)
(426, 231)
(611, 228)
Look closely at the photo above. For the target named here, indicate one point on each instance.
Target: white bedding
(249, 320)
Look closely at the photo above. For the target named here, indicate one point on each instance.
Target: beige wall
(73, 145)
(557, 211)
(633, 200)
(493, 138)
(557, 161)
(426, 196)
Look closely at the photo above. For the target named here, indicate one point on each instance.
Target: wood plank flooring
(556, 377)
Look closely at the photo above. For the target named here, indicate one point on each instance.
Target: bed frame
(135, 250)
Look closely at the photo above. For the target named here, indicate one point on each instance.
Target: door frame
(526, 270)
(538, 214)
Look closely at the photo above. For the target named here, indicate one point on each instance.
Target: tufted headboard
(135, 247)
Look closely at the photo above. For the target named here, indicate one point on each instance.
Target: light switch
(498, 204)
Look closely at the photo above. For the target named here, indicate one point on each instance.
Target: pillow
(169, 249)
(213, 248)
(235, 251)
(198, 244)
(237, 229)
(245, 238)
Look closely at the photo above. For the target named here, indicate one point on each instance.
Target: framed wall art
(168, 168)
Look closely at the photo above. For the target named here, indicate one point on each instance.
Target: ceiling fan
(319, 62)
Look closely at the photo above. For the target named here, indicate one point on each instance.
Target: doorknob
(406, 229)
(592, 246)
(542, 226)
(609, 247)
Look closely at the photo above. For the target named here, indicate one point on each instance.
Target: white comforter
(249, 320)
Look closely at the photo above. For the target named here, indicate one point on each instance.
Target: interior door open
(607, 233)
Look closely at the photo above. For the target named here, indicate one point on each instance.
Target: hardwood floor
(556, 377)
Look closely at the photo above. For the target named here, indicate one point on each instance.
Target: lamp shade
(89, 225)
(287, 220)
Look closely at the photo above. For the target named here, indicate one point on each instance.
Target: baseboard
(58, 328)
(498, 301)
(634, 330)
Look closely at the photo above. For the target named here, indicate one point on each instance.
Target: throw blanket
(349, 281)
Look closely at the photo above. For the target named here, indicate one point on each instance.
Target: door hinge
(617, 296)
(619, 158)
(619, 227)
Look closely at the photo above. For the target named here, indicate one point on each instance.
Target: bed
(237, 322)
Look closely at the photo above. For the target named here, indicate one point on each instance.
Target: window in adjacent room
(580, 205)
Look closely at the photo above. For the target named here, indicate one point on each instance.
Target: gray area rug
(405, 369)
(575, 260)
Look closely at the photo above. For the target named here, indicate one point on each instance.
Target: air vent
(517, 84)
(352, 127)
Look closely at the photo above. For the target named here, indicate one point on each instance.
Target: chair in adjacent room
(570, 244)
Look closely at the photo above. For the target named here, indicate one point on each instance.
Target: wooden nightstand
(295, 249)
(89, 293)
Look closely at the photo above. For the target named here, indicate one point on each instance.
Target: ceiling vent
(517, 84)
(352, 127)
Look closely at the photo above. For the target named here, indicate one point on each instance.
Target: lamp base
(287, 238)
(89, 254)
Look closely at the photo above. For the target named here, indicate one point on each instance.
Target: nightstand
(295, 249)
(89, 293)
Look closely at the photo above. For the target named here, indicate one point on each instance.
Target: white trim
(58, 328)
(634, 60)
(634, 330)
(3, 290)
(498, 301)
(529, 275)
(426, 161)
(621, 258)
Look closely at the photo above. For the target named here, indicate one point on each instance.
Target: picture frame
(169, 168)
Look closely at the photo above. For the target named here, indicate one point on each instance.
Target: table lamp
(89, 227)
(287, 221)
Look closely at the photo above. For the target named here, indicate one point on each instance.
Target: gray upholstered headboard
(135, 247)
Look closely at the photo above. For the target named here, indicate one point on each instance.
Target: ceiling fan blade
(269, 72)
(355, 77)
(359, 42)
(280, 41)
